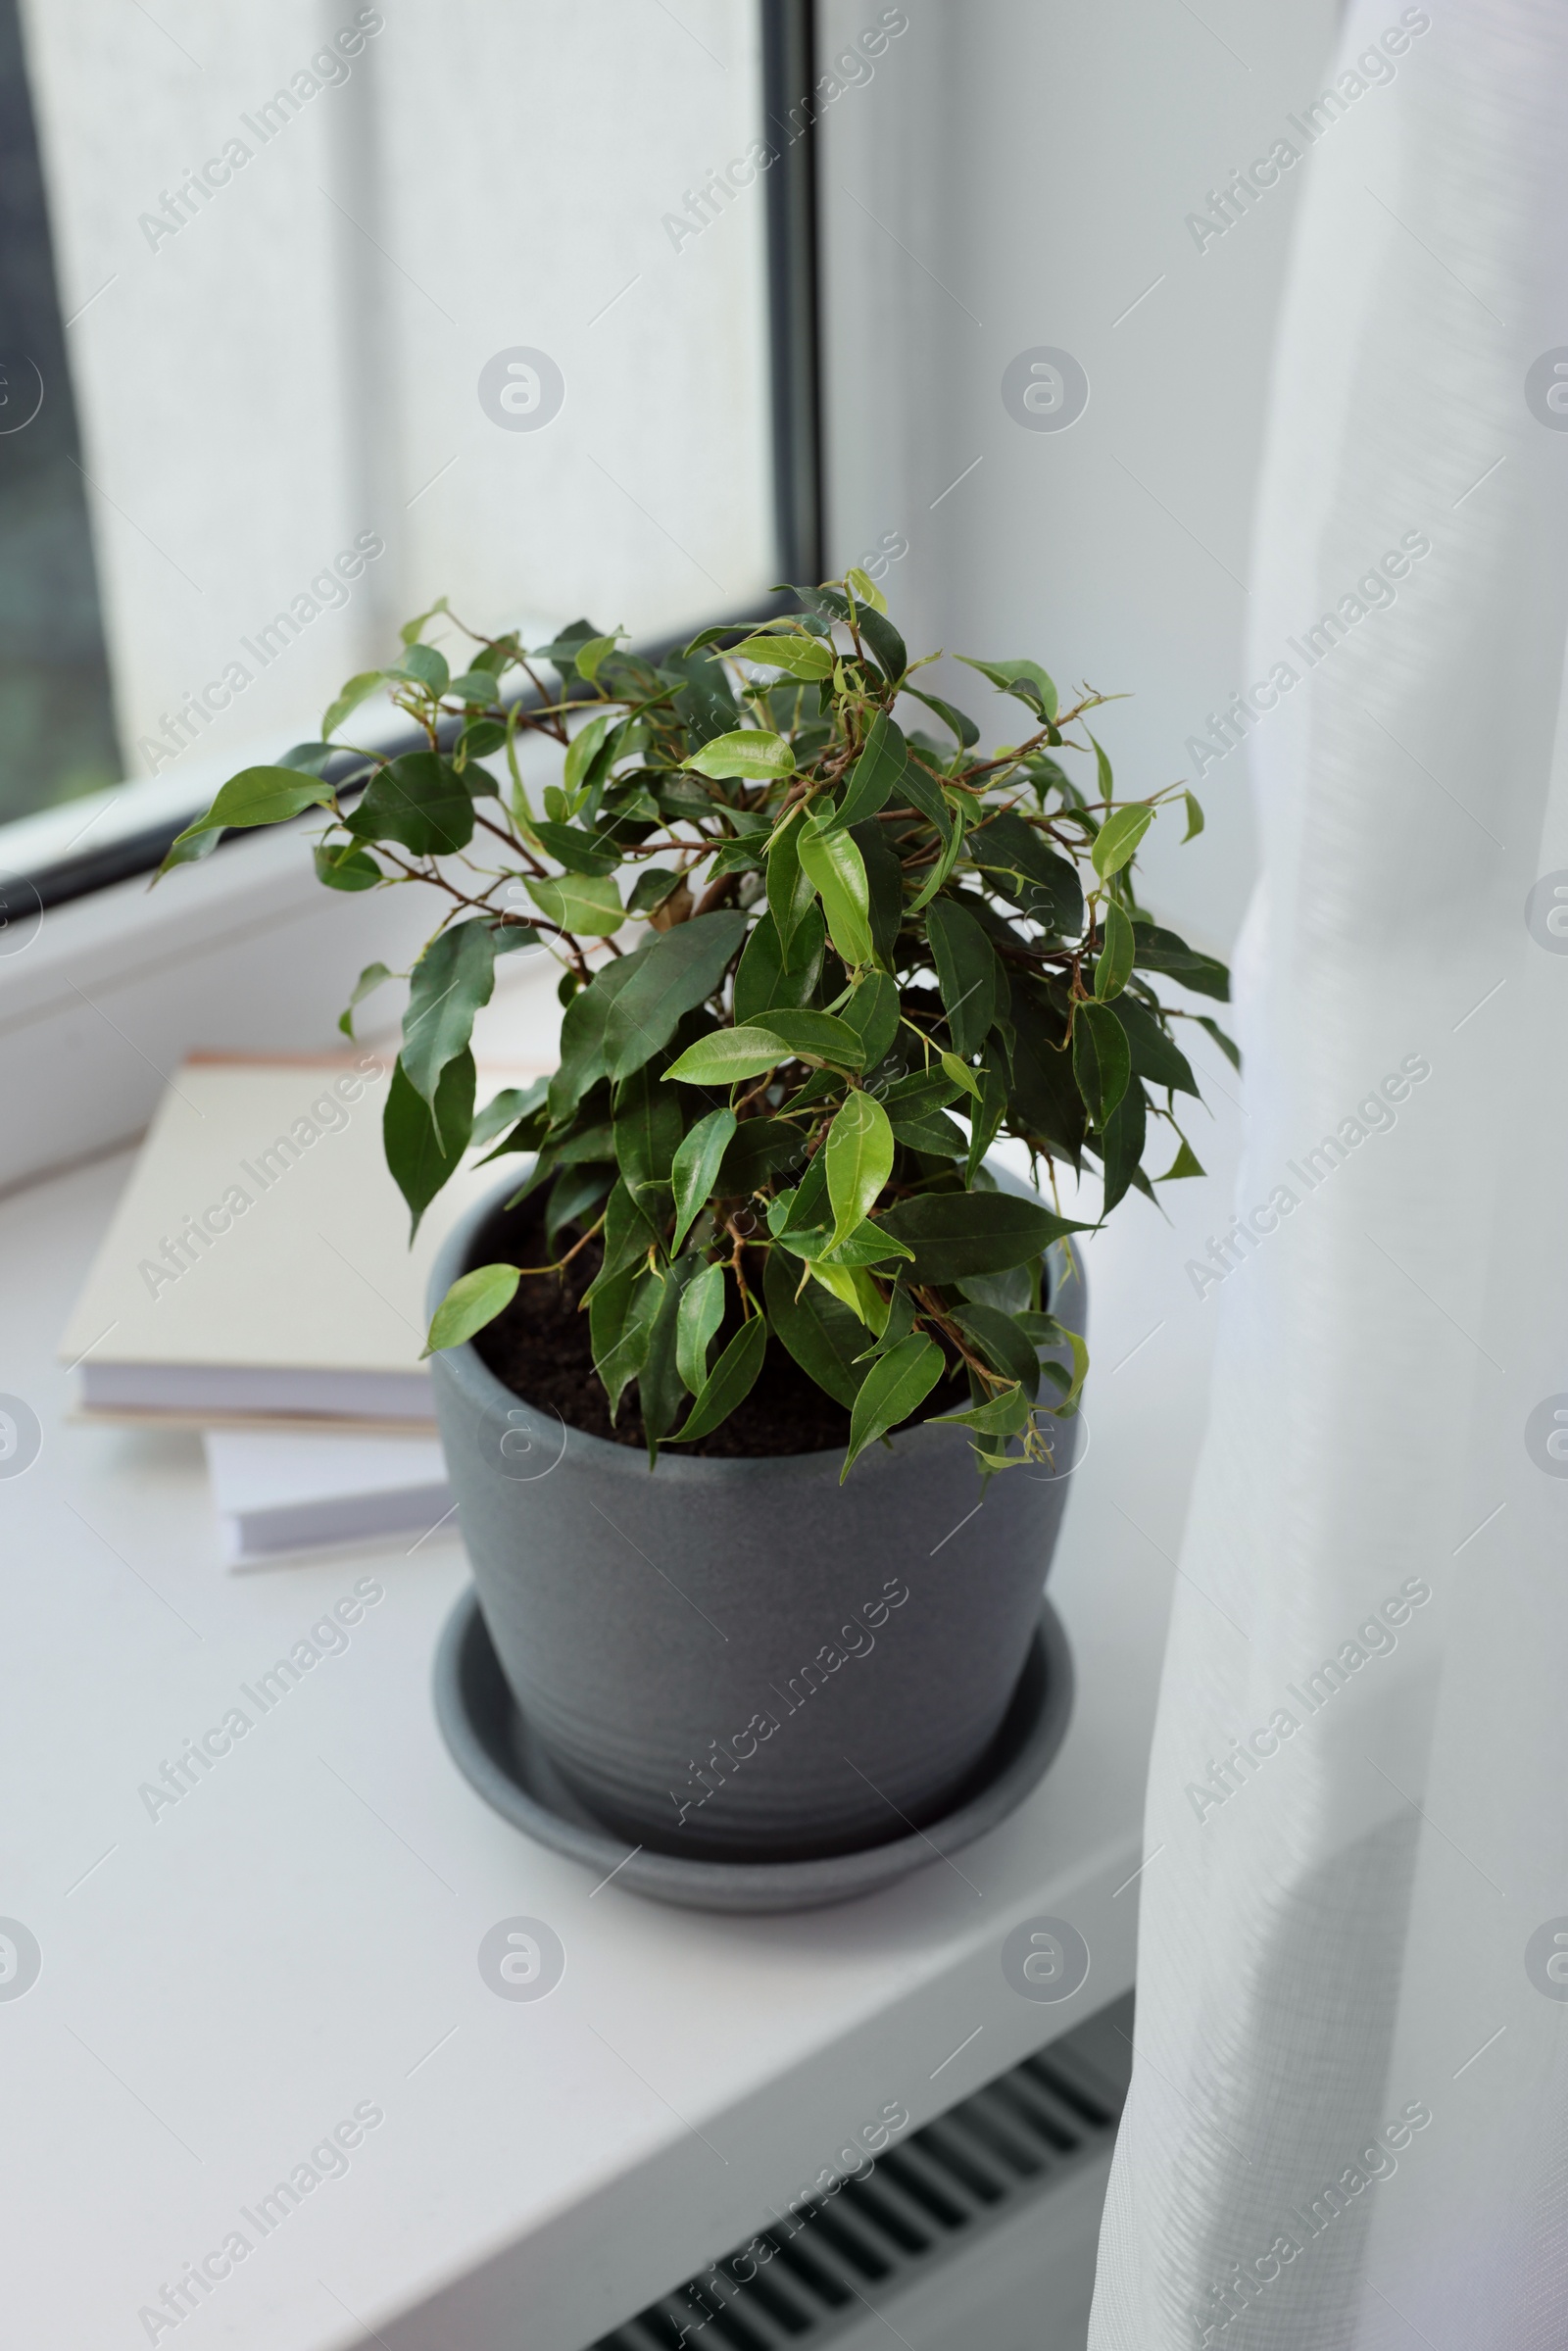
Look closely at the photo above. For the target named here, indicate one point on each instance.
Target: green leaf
(824, 1337)
(1118, 837)
(676, 971)
(630, 1236)
(1114, 965)
(256, 796)
(728, 1056)
(648, 1130)
(1185, 1164)
(701, 1311)
(873, 1011)
(1153, 1055)
(1002, 1344)
(1195, 819)
(347, 868)
(422, 1150)
(860, 1160)
(789, 890)
(579, 850)
(761, 1147)
(451, 981)
(422, 666)
(408, 634)
(921, 1091)
(818, 1037)
(884, 878)
(956, 1234)
(473, 1299)
(1163, 951)
(359, 689)
(476, 689)
(1227, 1045)
(660, 1390)
(870, 781)
(961, 1074)
(796, 653)
(933, 1131)
(853, 1287)
(621, 1317)
(696, 1167)
(731, 1381)
(419, 801)
(985, 1122)
(652, 887)
(1101, 1059)
(923, 792)
(751, 752)
(1002, 1415)
(962, 724)
(580, 754)
(1047, 888)
(967, 973)
(369, 979)
(765, 977)
(591, 656)
(508, 1109)
(1026, 680)
(896, 1385)
(836, 870)
(865, 590)
(582, 1035)
(888, 648)
(586, 903)
(1105, 781)
(1121, 1145)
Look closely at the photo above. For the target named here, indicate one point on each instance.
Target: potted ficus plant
(819, 953)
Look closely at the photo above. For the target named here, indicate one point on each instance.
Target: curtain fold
(1348, 2120)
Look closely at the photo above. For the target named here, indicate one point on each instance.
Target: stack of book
(256, 1283)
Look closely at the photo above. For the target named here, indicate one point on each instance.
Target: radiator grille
(929, 2193)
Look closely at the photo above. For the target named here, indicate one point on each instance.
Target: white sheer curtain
(1349, 2124)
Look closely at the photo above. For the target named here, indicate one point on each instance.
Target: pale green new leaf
(750, 753)
(860, 1160)
(697, 1163)
(1118, 837)
(473, 1299)
(701, 1311)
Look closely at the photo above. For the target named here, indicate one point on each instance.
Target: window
(359, 306)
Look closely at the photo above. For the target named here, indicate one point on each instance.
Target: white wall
(1030, 165)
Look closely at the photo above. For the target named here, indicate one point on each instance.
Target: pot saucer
(492, 1746)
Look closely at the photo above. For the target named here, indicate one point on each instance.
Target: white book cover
(259, 1261)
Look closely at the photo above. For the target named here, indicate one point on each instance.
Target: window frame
(790, 191)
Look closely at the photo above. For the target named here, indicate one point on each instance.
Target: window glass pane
(376, 304)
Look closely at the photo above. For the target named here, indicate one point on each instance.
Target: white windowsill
(223, 1984)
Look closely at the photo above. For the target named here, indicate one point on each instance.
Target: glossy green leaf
(1002, 1415)
(256, 796)
(676, 971)
(967, 973)
(873, 1011)
(836, 870)
(584, 903)
(880, 768)
(621, 1317)
(888, 648)
(420, 802)
(695, 1168)
(750, 753)
(730, 1382)
(818, 1037)
(962, 724)
(931, 1131)
(823, 1335)
(1102, 1061)
(451, 981)
(582, 1035)
(1227, 1045)
(630, 1236)
(961, 1074)
(1157, 949)
(761, 1147)
(1185, 1164)
(1113, 967)
(1001, 1342)
(579, 851)
(1034, 875)
(701, 1311)
(648, 1130)
(422, 666)
(728, 1056)
(347, 868)
(796, 653)
(1117, 839)
(860, 1160)
(581, 752)
(359, 689)
(1153, 1055)
(896, 1385)
(592, 656)
(1121, 1145)
(369, 979)
(508, 1109)
(865, 590)
(789, 890)
(473, 1299)
(1026, 680)
(1195, 819)
(660, 1391)
(423, 1149)
(955, 1234)
(765, 977)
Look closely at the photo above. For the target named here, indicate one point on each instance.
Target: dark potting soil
(539, 1348)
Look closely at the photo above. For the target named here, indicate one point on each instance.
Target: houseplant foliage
(802, 922)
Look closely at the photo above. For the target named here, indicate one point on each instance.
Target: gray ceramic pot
(742, 1659)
